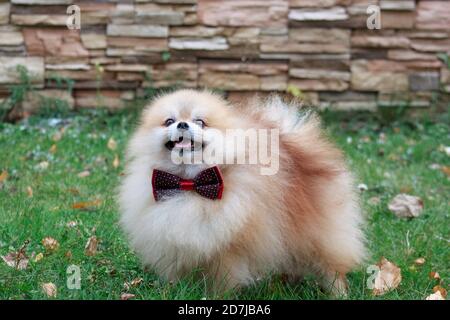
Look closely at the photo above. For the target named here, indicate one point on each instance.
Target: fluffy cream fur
(304, 219)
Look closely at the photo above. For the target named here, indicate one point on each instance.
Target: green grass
(400, 164)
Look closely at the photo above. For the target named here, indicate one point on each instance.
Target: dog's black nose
(183, 126)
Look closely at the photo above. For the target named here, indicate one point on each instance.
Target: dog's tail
(300, 129)
(290, 118)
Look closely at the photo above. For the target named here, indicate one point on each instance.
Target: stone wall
(321, 50)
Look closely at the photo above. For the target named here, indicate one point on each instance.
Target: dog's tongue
(183, 144)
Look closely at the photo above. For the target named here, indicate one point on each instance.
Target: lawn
(41, 161)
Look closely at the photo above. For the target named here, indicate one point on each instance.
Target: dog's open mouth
(184, 144)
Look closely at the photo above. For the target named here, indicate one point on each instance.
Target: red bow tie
(208, 183)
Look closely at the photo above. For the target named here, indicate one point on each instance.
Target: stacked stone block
(321, 48)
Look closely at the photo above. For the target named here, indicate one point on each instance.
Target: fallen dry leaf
(419, 261)
(38, 257)
(84, 174)
(87, 204)
(3, 176)
(446, 170)
(50, 244)
(17, 260)
(441, 290)
(134, 283)
(42, 165)
(434, 275)
(29, 192)
(116, 161)
(127, 296)
(91, 246)
(406, 206)
(112, 144)
(74, 191)
(53, 148)
(49, 289)
(435, 296)
(68, 254)
(388, 278)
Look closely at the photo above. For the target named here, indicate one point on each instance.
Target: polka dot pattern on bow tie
(165, 180)
(207, 183)
(168, 193)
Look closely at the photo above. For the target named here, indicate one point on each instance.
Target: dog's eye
(168, 122)
(200, 122)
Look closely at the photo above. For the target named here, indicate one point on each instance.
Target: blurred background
(321, 51)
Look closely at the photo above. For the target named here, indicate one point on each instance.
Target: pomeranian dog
(233, 221)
